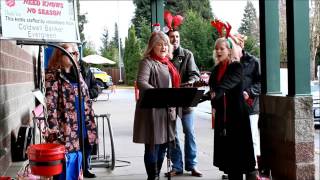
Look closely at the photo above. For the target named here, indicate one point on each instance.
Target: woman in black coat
(233, 149)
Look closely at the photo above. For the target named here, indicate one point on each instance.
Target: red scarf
(175, 76)
(222, 69)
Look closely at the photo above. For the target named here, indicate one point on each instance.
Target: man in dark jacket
(90, 80)
(252, 89)
(184, 62)
(93, 93)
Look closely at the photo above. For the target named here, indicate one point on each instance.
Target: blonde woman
(233, 150)
(150, 125)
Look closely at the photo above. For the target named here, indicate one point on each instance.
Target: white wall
(284, 81)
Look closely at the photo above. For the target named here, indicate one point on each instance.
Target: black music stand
(170, 97)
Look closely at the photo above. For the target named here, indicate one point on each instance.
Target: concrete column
(287, 140)
(286, 124)
(298, 47)
(269, 47)
(157, 7)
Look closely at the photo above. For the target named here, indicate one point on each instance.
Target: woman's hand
(213, 95)
(245, 95)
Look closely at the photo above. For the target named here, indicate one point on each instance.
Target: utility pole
(119, 47)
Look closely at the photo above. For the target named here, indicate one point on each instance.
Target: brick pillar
(287, 137)
(16, 100)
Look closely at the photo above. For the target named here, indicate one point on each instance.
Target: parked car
(315, 91)
(103, 79)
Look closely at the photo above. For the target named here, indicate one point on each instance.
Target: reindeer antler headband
(173, 22)
(219, 25)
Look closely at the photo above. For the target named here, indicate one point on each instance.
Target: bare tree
(314, 35)
(283, 33)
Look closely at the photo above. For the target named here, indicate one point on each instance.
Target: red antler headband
(168, 18)
(219, 25)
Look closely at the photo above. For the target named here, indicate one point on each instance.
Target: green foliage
(132, 56)
(196, 32)
(249, 22)
(183, 6)
(142, 15)
(88, 49)
(249, 27)
(105, 39)
(251, 46)
(112, 54)
(145, 34)
(82, 20)
(198, 36)
(110, 49)
(116, 36)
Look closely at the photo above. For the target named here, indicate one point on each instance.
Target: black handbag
(21, 144)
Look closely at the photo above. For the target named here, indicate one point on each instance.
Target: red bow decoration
(219, 25)
(168, 18)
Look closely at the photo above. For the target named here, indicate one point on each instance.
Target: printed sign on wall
(39, 20)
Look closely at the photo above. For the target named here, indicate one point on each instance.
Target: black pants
(153, 158)
(239, 176)
(88, 149)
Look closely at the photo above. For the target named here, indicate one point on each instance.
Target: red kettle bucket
(46, 159)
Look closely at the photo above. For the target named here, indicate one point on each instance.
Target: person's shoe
(173, 173)
(153, 178)
(196, 172)
(88, 174)
(225, 176)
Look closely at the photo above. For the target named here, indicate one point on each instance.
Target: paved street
(121, 106)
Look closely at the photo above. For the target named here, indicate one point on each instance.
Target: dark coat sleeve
(92, 85)
(255, 88)
(231, 78)
(192, 70)
(90, 81)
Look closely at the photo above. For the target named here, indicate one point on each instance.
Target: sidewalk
(121, 106)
